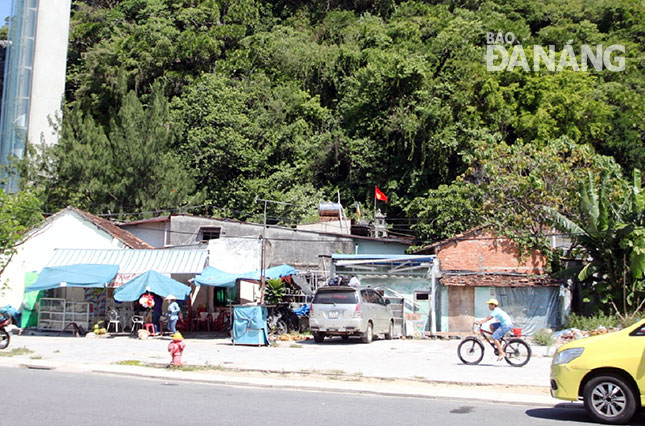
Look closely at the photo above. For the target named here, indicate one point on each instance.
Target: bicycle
(471, 350)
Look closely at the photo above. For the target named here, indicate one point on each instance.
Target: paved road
(39, 397)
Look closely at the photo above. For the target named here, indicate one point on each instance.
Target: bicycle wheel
(517, 352)
(470, 351)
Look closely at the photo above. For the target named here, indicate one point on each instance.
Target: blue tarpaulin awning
(214, 277)
(153, 282)
(81, 275)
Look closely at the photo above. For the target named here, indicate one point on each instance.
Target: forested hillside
(178, 103)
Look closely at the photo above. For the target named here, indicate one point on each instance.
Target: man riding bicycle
(499, 328)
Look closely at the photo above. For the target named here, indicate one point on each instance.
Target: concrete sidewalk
(420, 368)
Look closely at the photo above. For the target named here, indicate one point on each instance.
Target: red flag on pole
(379, 195)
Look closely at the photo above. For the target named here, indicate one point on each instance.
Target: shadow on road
(573, 412)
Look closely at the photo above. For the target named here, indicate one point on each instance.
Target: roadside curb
(435, 390)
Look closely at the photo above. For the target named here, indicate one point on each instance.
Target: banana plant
(612, 235)
(275, 291)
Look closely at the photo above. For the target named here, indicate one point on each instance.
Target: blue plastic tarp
(270, 273)
(153, 282)
(250, 325)
(10, 311)
(214, 277)
(303, 310)
(81, 275)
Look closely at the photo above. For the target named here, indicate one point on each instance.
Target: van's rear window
(336, 297)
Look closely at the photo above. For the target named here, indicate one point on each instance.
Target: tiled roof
(497, 280)
(144, 221)
(122, 235)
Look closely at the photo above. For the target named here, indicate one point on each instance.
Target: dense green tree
(249, 140)
(294, 101)
(4, 32)
(506, 185)
(128, 167)
(611, 230)
(19, 212)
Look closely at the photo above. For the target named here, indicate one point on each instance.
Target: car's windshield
(328, 297)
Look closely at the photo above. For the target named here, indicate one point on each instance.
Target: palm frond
(570, 272)
(586, 272)
(563, 223)
(638, 196)
(603, 205)
(589, 202)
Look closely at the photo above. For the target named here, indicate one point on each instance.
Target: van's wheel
(390, 332)
(344, 337)
(609, 399)
(368, 335)
(319, 337)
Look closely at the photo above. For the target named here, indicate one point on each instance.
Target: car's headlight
(567, 355)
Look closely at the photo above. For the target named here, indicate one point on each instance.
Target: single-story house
(68, 228)
(479, 264)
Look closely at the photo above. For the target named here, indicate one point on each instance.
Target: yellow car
(607, 372)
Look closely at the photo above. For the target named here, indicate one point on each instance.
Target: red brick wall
(484, 252)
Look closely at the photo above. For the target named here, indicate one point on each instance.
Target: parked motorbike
(281, 319)
(4, 334)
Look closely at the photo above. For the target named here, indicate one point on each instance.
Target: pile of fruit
(99, 329)
(292, 337)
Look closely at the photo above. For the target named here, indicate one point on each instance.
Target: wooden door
(462, 308)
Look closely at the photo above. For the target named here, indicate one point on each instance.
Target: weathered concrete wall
(153, 233)
(301, 249)
(379, 247)
(483, 252)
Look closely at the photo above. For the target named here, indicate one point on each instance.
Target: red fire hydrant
(176, 348)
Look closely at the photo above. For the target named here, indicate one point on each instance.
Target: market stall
(59, 313)
(214, 277)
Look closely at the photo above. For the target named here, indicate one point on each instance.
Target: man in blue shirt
(500, 327)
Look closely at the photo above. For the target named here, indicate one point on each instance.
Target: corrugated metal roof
(133, 261)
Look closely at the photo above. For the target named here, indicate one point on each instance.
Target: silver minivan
(350, 311)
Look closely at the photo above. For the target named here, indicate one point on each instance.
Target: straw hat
(493, 302)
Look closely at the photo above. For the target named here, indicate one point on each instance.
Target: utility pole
(263, 253)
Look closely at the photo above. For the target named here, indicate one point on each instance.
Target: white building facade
(66, 229)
